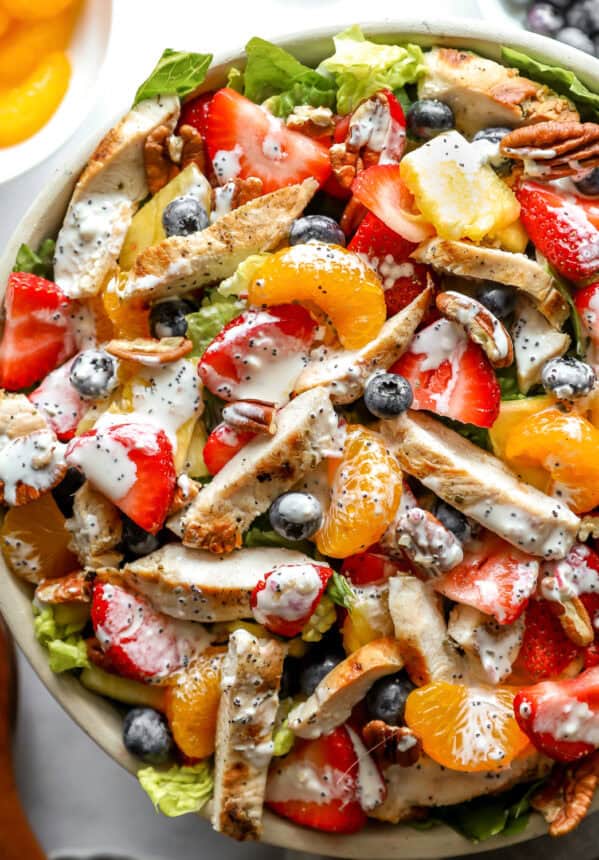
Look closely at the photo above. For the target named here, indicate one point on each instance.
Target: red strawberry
(494, 577)
(285, 598)
(388, 254)
(451, 375)
(381, 190)
(326, 798)
(545, 649)
(37, 335)
(587, 305)
(239, 363)
(60, 402)
(576, 574)
(561, 718)
(132, 464)
(222, 445)
(367, 568)
(195, 113)
(140, 642)
(591, 653)
(564, 228)
(243, 139)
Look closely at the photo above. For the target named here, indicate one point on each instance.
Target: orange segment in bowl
(33, 10)
(466, 728)
(334, 279)
(25, 108)
(24, 45)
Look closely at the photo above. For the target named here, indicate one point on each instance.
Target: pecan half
(391, 744)
(192, 149)
(185, 492)
(589, 527)
(235, 193)
(76, 587)
(250, 416)
(315, 122)
(481, 325)
(565, 800)
(150, 351)
(427, 542)
(575, 621)
(556, 148)
(157, 161)
(344, 164)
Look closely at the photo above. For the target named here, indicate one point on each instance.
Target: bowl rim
(95, 715)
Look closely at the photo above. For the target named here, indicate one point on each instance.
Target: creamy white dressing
(373, 127)
(33, 460)
(290, 593)
(570, 720)
(498, 647)
(58, 400)
(303, 781)
(440, 342)
(223, 201)
(371, 787)
(105, 462)
(227, 163)
(570, 577)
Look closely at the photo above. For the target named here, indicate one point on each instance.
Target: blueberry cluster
(575, 22)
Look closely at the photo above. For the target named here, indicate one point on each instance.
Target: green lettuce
(580, 346)
(508, 383)
(60, 636)
(235, 79)
(477, 435)
(257, 536)
(561, 80)
(238, 283)
(40, 262)
(213, 316)
(178, 790)
(282, 740)
(275, 75)
(360, 67)
(177, 73)
(340, 591)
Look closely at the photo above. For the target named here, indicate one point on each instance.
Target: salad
(298, 428)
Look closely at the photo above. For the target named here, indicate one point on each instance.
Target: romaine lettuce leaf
(274, 74)
(238, 283)
(213, 316)
(177, 73)
(360, 67)
(178, 790)
(561, 80)
(40, 262)
(282, 740)
(66, 647)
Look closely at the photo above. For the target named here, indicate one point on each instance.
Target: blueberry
(498, 299)
(146, 735)
(388, 394)
(183, 216)
(167, 319)
(576, 39)
(568, 378)
(93, 373)
(386, 699)
(296, 516)
(429, 117)
(584, 15)
(453, 520)
(136, 541)
(64, 492)
(544, 18)
(318, 664)
(290, 678)
(589, 184)
(319, 227)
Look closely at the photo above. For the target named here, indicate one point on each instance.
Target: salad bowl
(94, 714)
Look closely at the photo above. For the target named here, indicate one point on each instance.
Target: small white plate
(87, 52)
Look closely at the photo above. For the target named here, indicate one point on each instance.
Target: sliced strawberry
(139, 642)
(195, 113)
(388, 254)
(561, 718)
(591, 652)
(450, 375)
(367, 568)
(564, 228)
(576, 574)
(222, 445)
(286, 597)
(60, 402)
(326, 795)
(494, 577)
(37, 333)
(587, 305)
(240, 362)
(132, 464)
(381, 190)
(243, 139)
(545, 649)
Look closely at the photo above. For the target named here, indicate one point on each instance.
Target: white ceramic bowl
(87, 52)
(96, 716)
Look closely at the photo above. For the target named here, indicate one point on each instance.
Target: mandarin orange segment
(365, 493)
(566, 445)
(334, 279)
(34, 541)
(32, 10)
(22, 47)
(27, 106)
(191, 704)
(129, 319)
(466, 728)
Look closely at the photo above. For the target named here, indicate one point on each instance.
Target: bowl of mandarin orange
(51, 52)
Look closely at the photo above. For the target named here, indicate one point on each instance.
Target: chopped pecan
(185, 492)
(251, 416)
(391, 744)
(352, 217)
(482, 326)
(235, 193)
(565, 800)
(344, 164)
(589, 527)
(192, 149)
(150, 351)
(556, 148)
(315, 122)
(575, 621)
(157, 161)
(76, 587)
(427, 542)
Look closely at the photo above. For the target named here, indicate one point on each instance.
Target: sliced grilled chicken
(480, 485)
(307, 430)
(75, 587)
(344, 372)
(421, 631)
(105, 199)
(535, 341)
(483, 93)
(250, 680)
(430, 784)
(515, 270)
(332, 701)
(491, 648)
(184, 263)
(198, 586)
(96, 529)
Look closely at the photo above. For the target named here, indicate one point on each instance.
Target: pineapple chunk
(511, 238)
(512, 413)
(146, 227)
(194, 465)
(456, 190)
